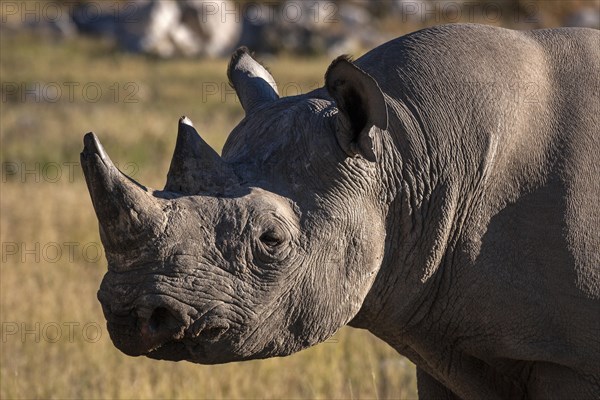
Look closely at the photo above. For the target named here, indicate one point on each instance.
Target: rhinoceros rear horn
(195, 166)
(253, 84)
(127, 211)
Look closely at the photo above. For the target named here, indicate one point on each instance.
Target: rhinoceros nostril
(159, 320)
(212, 331)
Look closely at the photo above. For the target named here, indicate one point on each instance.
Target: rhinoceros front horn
(195, 166)
(128, 214)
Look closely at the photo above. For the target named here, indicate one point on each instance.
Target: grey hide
(441, 191)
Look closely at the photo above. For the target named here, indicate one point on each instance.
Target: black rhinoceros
(442, 191)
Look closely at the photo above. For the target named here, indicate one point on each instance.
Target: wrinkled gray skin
(441, 191)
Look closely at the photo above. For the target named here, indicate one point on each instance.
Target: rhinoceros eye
(273, 244)
(271, 238)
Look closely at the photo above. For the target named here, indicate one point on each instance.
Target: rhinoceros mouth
(162, 327)
(145, 324)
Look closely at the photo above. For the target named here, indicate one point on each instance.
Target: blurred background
(127, 70)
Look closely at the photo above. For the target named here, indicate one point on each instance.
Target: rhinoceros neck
(432, 188)
(445, 169)
(472, 156)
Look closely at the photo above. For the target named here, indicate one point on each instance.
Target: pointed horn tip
(91, 145)
(186, 120)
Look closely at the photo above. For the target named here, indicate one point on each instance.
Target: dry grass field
(54, 341)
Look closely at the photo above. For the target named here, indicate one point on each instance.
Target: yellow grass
(54, 340)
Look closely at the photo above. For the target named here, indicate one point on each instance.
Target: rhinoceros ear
(253, 84)
(361, 105)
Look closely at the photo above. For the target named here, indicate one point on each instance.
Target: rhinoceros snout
(146, 324)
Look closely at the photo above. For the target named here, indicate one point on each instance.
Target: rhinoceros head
(260, 252)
